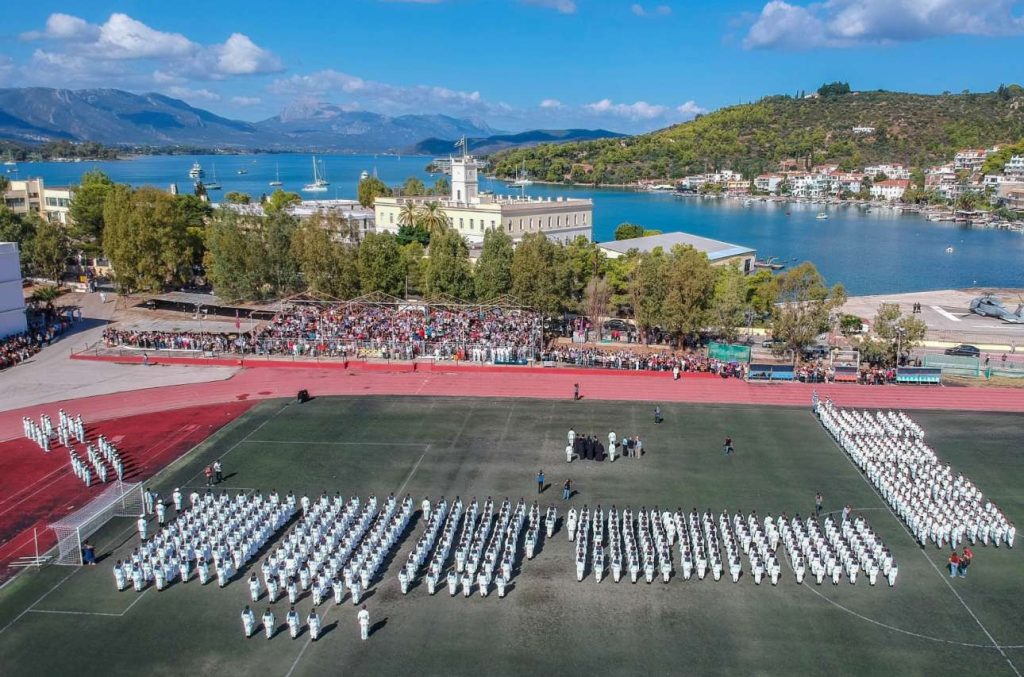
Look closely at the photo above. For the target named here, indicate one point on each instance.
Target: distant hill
(115, 117)
(913, 129)
(493, 144)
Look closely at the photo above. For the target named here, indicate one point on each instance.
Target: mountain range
(118, 118)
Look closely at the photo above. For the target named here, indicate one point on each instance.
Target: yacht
(196, 172)
(213, 185)
(277, 175)
(320, 181)
(365, 175)
(243, 171)
(522, 178)
(821, 216)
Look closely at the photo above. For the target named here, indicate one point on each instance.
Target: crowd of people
(640, 546)
(588, 447)
(936, 504)
(43, 330)
(635, 360)
(352, 330)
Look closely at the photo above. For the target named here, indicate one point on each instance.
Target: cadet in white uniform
(254, 588)
(269, 623)
(364, 623)
(294, 624)
(248, 621)
(313, 620)
(142, 527)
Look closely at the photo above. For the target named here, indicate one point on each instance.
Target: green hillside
(913, 129)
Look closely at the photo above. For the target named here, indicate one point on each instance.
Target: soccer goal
(120, 499)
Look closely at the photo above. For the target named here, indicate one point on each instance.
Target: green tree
(585, 260)
(834, 89)
(433, 219)
(370, 189)
(690, 285)
(493, 273)
(233, 260)
(442, 188)
(538, 274)
(448, 269)
(328, 267)
(409, 215)
(898, 333)
(805, 306)
(280, 200)
(648, 289)
(380, 264)
(597, 300)
(194, 214)
(87, 209)
(762, 292)
(417, 233)
(145, 239)
(48, 251)
(282, 269)
(237, 198)
(729, 304)
(18, 229)
(413, 186)
(5, 184)
(413, 264)
(628, 231)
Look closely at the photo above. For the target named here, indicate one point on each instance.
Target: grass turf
(62, 621)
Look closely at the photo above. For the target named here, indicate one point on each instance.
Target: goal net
(120, 499)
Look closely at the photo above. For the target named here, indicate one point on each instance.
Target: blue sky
(516, 64)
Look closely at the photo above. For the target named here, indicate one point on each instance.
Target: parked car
(816, 352)
(964, 350)
(772, 344)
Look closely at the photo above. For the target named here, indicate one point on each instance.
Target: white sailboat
(277, 173)
(213, 185)
(320, 181)
(522, 178)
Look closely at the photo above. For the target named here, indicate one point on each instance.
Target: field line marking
(137, 598)
(74, 613)
(945, 579)
(239, 442)
(61, 469)
(355, 444)
(44, 596)
(946, 314)
(413, 471)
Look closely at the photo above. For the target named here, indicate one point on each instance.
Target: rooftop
(715, 249)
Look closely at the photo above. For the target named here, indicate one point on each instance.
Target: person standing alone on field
(540, 481)
(567, 490)
(364, 623)
(819, 501)
(208, 472)
(727, 447)
(218, 472)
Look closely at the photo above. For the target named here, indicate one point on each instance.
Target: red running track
(37, 488)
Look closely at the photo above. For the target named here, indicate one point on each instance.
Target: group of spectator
(640, 361)
(43, 330)
(392, 332)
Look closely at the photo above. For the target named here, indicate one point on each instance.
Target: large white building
(31, 196)
(12, 299)
(471, 213)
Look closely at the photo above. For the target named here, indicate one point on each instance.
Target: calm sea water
(874, 253)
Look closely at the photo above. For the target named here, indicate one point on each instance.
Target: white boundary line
(944, 578)
(946, 314)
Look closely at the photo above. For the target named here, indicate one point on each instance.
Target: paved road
(51, 375)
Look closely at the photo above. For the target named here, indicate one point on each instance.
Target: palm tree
(409, 216)
(45, 296)
(433, 219)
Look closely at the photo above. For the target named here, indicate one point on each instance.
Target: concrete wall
(12, 300)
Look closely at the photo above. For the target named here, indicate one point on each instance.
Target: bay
(870, 253)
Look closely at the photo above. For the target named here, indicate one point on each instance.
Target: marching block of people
(937, 504)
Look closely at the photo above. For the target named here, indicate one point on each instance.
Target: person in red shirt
(965, 561)
(954, 564)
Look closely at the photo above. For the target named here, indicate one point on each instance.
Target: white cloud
(551, 104)
(690, 109)
(246, 100)
(383, 97)
(64, 27)
(561, 6)
(641, 110)
(658, 10)
(848, 23)
(190, 94)
(122, 38)
(241, 56)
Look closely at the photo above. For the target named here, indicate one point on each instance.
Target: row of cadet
(642, 545)
(935, 504)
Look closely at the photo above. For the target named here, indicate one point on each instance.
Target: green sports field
(64, 621)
